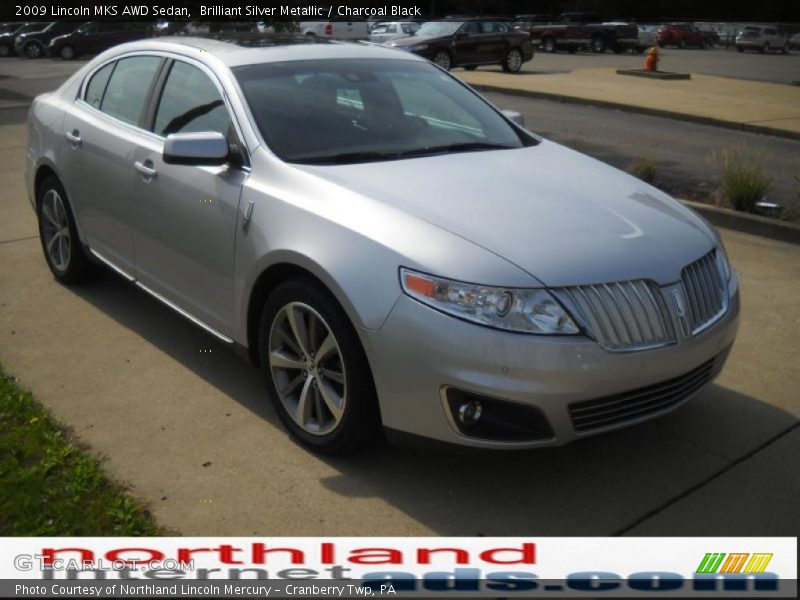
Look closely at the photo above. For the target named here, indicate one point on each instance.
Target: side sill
(161, 298)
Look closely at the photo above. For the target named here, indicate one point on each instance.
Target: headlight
(511, 309)
(722, 261)
(418, 47)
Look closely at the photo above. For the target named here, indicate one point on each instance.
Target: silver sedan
(393, 252)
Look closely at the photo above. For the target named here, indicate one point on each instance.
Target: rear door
(185, 217)
(100, 132)
(466, 43)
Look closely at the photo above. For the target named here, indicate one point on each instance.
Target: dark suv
(469, 43)
(34, 43)
(95, 37)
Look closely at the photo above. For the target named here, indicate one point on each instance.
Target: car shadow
(601, 485)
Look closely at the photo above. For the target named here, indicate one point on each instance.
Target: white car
(647, 37)
(339, 30)
(763, 39)
(385, 32)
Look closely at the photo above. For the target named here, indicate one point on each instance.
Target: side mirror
(203, 148)
(515, 116)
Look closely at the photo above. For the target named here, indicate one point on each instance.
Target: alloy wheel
(55, 230)
(307, 368)
(514, 60)
(67, 53)
(33, 51)
(442, 59)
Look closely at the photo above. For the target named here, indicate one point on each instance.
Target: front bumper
(420, 352)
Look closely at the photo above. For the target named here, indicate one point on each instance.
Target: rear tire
(58, 235)
(512, 63)
(598, 44)
(548, 45)
(682, 44)
(307, 345)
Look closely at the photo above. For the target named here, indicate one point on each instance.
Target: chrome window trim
(79, 100)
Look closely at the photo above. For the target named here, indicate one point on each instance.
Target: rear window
(97, 85)
(127, 88)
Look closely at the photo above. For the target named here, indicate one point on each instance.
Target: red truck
(573, 31)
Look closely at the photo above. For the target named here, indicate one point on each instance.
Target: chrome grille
(622, 316)
(705, 290)
(636, 404)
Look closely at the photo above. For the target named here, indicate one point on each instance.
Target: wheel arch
(289, 266)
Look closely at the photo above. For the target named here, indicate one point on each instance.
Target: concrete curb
(754, 224)
(655, 112)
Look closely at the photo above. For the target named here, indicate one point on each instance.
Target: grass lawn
(49, 485)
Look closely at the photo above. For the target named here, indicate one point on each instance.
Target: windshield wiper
(452, 148)
(344, 158)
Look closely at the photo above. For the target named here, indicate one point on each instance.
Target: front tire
(317, 374)
(443, 59)
(548, 45)
(33, 50)
(765, 48)
(58, 234)
(67, 52)
(598, 44)
(512, 63)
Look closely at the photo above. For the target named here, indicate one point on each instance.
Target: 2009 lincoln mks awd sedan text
(393, 252)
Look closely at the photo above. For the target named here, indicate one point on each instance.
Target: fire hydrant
(651, 62)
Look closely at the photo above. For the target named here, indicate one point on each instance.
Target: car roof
(265, 49)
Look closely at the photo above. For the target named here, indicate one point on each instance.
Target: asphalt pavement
(719, 62)
(186, 423)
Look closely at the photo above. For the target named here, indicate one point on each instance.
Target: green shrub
(742, 180)
(644, 168)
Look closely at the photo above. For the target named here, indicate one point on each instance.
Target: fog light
(469, 412)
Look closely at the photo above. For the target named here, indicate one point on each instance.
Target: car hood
(413, 40)
(563, 217)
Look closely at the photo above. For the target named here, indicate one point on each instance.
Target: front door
(185, 218)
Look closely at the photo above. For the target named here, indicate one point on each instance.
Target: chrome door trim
(158, 296)
(110, 264)
(185, 314)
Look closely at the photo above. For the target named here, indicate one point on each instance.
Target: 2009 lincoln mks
(390, 249)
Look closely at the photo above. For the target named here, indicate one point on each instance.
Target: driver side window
(190, 102)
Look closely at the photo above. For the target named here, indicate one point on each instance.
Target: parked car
(337, 30)
(385, 32)
(525, 22)
(681, 35)
(647, 37)
(10, 31)
(573, 31)
(95, 37)
(511, 293)
(794, 42)
(33, 44)
(469, 44)
(763, 39)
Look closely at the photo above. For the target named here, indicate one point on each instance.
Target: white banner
(510, 565)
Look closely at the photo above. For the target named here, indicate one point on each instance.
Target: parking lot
(187, 424)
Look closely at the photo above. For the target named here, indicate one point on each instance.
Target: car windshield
(34, 27)
(436, 28)
(365, 110)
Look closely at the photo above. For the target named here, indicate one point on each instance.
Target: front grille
(612, 410)
(705, 289)
(628, 315)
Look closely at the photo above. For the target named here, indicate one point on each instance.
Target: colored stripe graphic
(758, 563)
(712, 562)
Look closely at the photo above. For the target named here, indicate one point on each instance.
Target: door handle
(146, 169)
(74, 138)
